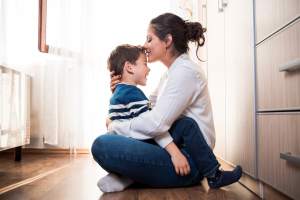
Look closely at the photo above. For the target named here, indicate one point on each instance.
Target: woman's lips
(148, 52)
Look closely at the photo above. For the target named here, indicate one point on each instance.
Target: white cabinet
(216, 72)
(249, 91)
(240, 93)
(230, 45)
(14, 108)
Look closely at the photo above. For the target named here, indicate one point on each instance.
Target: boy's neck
(128, 81)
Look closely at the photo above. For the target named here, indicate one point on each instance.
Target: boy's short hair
(121, 54)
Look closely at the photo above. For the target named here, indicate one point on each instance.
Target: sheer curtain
(10, 109)
(74, 80)
(70, 84)
(16, 55)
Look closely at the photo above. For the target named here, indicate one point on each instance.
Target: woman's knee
(187, 122)
(99, 145)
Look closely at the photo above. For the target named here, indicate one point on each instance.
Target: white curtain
(10, 116)
(14, 116)
(16, 55)
(75, 81)
(70, 84)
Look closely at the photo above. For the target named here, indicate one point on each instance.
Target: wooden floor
(60, 176)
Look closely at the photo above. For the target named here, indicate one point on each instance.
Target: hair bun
(195, 32)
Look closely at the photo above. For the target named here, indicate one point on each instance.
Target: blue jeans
(147, 163)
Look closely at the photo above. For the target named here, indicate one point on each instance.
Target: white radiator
(14, 108)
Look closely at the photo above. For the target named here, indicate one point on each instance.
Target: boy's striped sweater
(127, 102)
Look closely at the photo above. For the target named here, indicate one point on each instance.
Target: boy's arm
(107, 122)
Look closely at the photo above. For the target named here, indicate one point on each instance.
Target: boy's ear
(168, 40)
(128, 67)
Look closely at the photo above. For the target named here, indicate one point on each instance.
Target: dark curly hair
(182, 31)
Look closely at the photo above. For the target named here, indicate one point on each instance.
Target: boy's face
(141, 70)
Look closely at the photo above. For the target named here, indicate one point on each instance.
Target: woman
(182, 91)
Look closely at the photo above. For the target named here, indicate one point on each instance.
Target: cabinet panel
(231, 81)
(275, 89)
(279, 134)
(216, 72)
(274, 14)
(240, 105)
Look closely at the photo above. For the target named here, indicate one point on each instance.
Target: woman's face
(156, 48)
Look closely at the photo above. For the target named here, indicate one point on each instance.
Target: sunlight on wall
(18, 34)
(106, 25)
(121, 22)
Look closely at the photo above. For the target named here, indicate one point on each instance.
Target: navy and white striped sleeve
(128, 103)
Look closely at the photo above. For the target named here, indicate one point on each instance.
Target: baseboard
(50, 151)
(256, 186)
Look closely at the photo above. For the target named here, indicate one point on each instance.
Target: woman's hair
(121, 54)
(182, 31)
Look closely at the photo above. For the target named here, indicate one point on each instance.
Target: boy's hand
(179, 161)
(114, 80)
(108, 121)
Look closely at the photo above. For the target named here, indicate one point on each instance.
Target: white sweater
(181, 91)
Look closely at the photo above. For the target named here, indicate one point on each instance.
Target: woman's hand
(114, 80)
(180, 164)
(179, 161)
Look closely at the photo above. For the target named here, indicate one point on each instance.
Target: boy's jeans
(147, 163)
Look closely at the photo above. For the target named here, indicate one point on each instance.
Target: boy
(129, 101)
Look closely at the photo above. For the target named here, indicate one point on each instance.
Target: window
(43, 47)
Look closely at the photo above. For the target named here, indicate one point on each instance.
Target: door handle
(290, 66)
(222, 4)
(289, 157)
(225, 3)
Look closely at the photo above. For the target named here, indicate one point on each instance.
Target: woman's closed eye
(149, 39)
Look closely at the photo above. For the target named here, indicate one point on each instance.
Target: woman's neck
(170, 58)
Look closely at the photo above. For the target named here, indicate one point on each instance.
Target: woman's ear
(168, 40)
(128, 67)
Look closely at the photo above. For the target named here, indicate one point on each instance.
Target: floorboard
(60, 176)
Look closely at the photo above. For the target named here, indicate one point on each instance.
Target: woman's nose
(145, 45)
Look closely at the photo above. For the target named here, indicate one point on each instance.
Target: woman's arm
(175, 98)
(179, 161)
(153, 96)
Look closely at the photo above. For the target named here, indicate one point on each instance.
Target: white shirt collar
(179, 59)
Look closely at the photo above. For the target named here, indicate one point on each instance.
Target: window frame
(42, 32)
